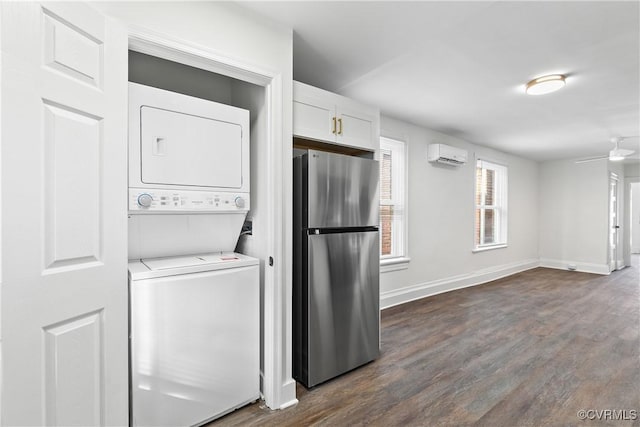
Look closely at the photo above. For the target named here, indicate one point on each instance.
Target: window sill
(489, 248)
(394, 264)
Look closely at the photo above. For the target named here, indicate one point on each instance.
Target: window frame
(399, 256)
(500, 206)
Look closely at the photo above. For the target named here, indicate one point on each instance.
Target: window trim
(401, 261)
(394, 264)
(503, 206)
(490, 247)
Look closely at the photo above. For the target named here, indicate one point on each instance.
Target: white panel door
(64, 284)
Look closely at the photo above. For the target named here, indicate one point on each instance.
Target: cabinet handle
(333, 125)
(340, 126)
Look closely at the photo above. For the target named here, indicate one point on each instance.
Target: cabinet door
(356, 129)
(313, 116)
(64, 216)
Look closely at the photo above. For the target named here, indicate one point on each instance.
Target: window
(491, 205)
(392, 202)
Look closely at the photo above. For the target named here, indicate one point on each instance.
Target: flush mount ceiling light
(545, 84)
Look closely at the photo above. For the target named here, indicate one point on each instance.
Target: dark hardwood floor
(532, 349)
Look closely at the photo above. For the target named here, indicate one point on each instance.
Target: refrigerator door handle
(339, 230)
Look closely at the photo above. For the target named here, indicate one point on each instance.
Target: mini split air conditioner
(446, 154)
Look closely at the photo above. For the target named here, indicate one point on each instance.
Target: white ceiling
(460, 67)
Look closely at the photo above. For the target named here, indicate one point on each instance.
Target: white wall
(632, 170)
(223, 27)
(160, 73)
(441, 219)
(574, 215)
(243, 40)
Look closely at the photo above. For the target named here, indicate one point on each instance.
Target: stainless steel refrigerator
(336, 273)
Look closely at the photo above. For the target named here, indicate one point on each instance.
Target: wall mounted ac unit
(446, 154)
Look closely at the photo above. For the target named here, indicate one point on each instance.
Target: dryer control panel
(147, 200)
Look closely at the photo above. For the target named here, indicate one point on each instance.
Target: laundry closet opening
(168, 234)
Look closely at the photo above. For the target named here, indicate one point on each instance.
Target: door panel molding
(71, 51)
(73, 189)
(69, 381)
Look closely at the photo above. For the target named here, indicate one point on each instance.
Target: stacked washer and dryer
(194, 303)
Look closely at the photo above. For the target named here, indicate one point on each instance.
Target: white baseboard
(434, 287)
(289, 394)
(583, 267)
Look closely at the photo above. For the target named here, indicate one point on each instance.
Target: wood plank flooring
(528, 350)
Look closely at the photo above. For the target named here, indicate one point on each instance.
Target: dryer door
(185, 149)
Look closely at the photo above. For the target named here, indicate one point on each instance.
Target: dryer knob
(240, 202)
(145, 200)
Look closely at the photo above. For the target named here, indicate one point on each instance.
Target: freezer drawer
(195, 346)
(342, 305)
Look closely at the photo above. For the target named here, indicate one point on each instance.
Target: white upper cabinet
(325, 116)
(314, 115)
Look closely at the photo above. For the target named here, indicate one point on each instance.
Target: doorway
(614, 226)
(260, 91)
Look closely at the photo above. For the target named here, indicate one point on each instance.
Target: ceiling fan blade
(592, 159)
(625, 152)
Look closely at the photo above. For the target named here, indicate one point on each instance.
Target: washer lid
(169, 266)
(172, 262)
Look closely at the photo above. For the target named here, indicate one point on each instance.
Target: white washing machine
(195, 341)
(194, 337)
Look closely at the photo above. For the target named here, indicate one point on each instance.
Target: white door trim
(278, 387)
(614, 212)
(626, 244)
